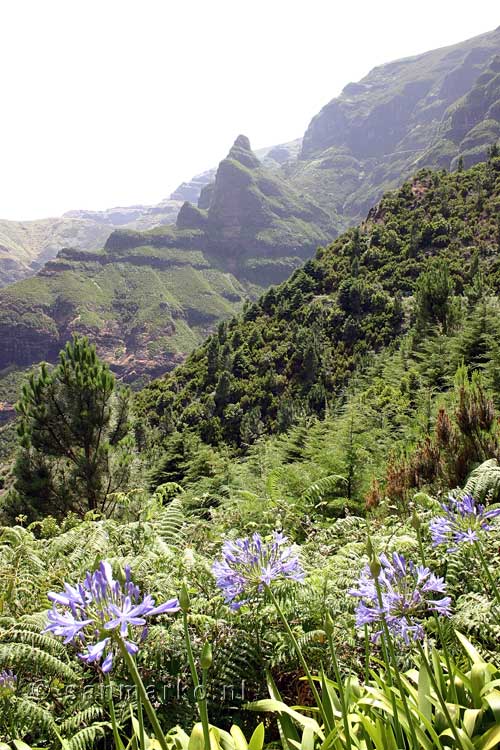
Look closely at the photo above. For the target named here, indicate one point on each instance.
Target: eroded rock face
(426, 110)
(190, 191)
(254, 216)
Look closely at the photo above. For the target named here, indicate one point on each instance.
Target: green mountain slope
(26, 245)
(420, 111)
(294, 350)
(148, 298)
(427, 110)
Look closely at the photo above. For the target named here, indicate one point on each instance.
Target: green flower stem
(390, 657)
(116, 735)
(367, 655)
(141, 691)
(201, 701)
(421, 548)
(453, 687)
(439, 696)
(486, 568)
(301, 658)
(343, 704)
(140, 719)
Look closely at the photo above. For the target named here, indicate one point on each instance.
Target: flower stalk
(300, 657)
(338, 677)
(200, 691)
(142, 693)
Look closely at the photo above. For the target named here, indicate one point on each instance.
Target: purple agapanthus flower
(94, 613)
(463, 522)
(408, 593)
(248, 565)
(8, 680)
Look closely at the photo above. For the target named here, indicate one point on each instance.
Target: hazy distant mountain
(149, 297)
(26, 245)
(427, 110)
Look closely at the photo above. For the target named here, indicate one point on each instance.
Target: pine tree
(476, 341)
(75, 447)
(433, 297)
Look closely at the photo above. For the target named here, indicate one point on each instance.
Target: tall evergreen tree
(75, 447)
(433, 296)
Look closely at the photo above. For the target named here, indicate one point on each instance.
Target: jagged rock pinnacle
(241, 151)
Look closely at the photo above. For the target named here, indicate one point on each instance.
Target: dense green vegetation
(419, 279)
(169, 541)
(338, 409)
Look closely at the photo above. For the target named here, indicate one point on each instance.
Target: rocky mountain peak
(241, 151)
(190, 217)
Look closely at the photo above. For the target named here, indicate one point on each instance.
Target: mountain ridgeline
(430, 110)
(26, 245)
(148, 298)
(293, 351)
(155, 289)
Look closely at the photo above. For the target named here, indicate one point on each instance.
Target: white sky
(114, 102)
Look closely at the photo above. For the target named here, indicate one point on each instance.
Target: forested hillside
(292, 538)
(417, 260)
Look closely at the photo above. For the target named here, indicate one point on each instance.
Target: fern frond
(86, 716)
(484, 482)
(24, 658)
(273, 484)
(32, 638)
(312, 637)
(29, 716)
(168, 522)
(86, 738)
(318, 490)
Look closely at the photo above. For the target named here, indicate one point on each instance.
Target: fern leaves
(484, 482)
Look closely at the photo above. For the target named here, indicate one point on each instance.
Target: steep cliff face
(148, 298)
(426, 110)
(473, 122)
(258, 226)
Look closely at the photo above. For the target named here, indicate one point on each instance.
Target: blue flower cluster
(8, 680)
(462, 522)
(407, 596)
(99, 610)
(248, 565)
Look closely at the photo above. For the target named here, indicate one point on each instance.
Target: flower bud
(206, 656)
(188, 557)
(415, 520)
(184, 601)
(369, 548)
(329, 625)
(375, 567)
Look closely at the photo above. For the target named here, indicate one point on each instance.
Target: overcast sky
(114, 102)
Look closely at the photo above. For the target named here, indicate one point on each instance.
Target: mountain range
(26, 245)
(295, 350)
(149, 297)
(150, 292)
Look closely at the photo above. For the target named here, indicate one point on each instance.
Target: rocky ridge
(423, 111)
(149, 297)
